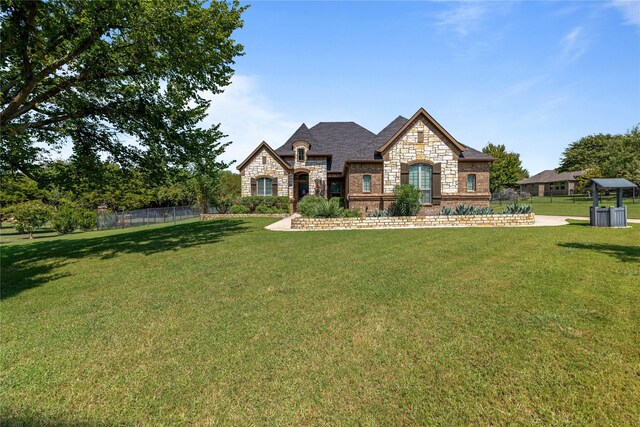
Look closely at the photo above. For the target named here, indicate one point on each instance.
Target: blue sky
(534, 76)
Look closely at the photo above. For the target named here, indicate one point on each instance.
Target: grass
(564, 205)
(223, 322)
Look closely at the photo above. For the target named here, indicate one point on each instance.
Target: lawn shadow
(623, 253)
(33, 264)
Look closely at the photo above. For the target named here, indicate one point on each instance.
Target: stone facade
(317, 175)
(433, 149)
(264, 165)
(436, 221)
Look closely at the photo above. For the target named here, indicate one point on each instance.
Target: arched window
(420, 177)
(366, 183)
(265, 187)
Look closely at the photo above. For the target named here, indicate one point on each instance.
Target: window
(264, 160)
(366, 183)
(420, 177)
(301, 154)
(471, 182)
(336, 189)
(264, 187)
(420, 137)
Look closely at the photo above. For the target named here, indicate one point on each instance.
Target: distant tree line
(605, 156)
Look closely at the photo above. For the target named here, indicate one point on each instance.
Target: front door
(303, 185)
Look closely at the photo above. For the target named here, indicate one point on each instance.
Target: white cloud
(247, 116)
(574, 44)
(630, 9)
(464, 19)
(526, 85)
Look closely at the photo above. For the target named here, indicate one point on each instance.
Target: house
(550, 183)
(343, 159)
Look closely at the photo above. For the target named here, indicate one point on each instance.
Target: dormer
(300, 149)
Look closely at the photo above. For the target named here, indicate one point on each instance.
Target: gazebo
(613, 216)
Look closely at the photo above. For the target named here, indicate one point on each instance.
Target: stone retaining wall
(207, 217)
(495, 220)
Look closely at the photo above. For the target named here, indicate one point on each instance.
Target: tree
(228, 191)
(605, 155)
(506, 170)
(30, 216)
(91, 72)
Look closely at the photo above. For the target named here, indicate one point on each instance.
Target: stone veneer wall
(317, 170)
(271, 169)
(434, 149)
(496, 220)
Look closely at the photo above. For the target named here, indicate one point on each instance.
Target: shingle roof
(350, 141)
(302, 134)
(551, 175)
(613, 183)
(343, 140)
(473, 154)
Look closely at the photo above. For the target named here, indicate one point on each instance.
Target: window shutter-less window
(404, 173)
(437, 184)
(274, 187)
(254, 191)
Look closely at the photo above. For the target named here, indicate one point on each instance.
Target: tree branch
(9, 113)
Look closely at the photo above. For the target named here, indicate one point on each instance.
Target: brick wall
(496, 220)
(481, 171)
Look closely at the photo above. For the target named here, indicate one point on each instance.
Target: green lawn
(223, 322)
(566, 206)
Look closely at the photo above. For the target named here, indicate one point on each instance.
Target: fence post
(122, 219)
(174, 215)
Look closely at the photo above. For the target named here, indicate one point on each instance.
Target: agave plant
(514, 208)
(378, 214)
(329, 208)
(447, 211)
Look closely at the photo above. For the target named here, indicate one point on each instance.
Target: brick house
(551, 182)
(343, 159)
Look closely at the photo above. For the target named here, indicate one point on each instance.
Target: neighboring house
(343, 159)
(550, 182)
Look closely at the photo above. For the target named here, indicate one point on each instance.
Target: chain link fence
(108, 220)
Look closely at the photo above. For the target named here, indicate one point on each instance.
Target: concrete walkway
(541, 221)
(283, 225)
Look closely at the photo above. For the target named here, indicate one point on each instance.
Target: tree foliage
(506, 170)
(605, 156)
(29, 216)
(99, 73)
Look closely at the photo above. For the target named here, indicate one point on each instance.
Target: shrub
(352, 213)
(379, 214)
(329, 208)
(30, 216)
(407, 201)
(64, 219)
(308, 206)
(281, 203)
(238, 209)
(86, 219)
(263, 209)
(223, 203)
(514, 208)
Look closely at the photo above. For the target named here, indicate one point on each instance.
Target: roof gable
(301, 134)
(270, 150)
(422, 113)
